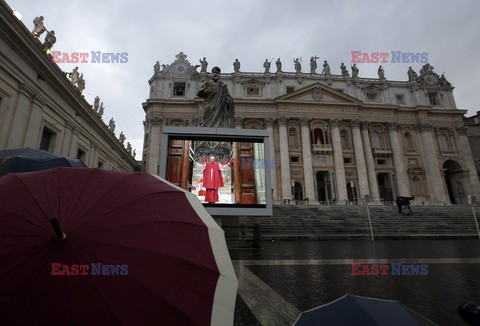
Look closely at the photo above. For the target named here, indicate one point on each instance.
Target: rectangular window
(290, 89)
(100, 165)
(433, 97)
(253, 91)
(372, 96)
(400, 98)
(179, 89)
(294, 159)
(47, 141)
(347, 160)
(381, 162)
(81, 155)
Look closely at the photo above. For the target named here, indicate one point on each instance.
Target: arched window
(344, 139)
(443, 143)
(292, 137)
(409, 141)
(417, 187)
(376, 140)
(318, 137)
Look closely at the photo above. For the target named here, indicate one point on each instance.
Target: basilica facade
(338, 139)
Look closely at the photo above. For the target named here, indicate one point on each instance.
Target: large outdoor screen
(229, 173)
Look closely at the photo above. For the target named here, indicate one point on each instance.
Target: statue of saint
(81, 83)
(156, 68)
(101, 109)
(279, 65)
(38, 29)
(313, 64)
(298, 66)
(354, 71)
(326, 68)
(96, 104)
(74, 76)
(412, 75)
(381, 73)
(266, 65)
(203, 64)
(121, 137)
(50, 40)
(111, 125)
(236, 66)
(344, 70)
(218, 108)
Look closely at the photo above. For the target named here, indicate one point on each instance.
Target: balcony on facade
(381, 151)
(321, 148)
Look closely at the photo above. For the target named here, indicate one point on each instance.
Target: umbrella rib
(98, 230)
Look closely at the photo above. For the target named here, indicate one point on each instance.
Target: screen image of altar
(220, 172)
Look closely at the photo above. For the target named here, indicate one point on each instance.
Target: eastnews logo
(97, 269)
(389, 269)
(396, 57)
(97, 57)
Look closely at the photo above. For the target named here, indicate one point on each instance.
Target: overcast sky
(253, 30)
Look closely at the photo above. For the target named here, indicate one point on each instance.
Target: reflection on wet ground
(287, 277)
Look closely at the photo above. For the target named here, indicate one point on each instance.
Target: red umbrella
(139, 251)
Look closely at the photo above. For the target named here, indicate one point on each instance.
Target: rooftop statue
(344, 70)
(50, 40)
(266, 65)
(279, 65)
(355, 70)
(381, 73)
(313, 65)
(298, 66)
(38, 29)
(203, 64)
(218, 108)
(326, 68)
(236, 66)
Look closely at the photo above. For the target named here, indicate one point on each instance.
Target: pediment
(318, 93)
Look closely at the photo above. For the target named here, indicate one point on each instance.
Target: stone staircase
(350, 222)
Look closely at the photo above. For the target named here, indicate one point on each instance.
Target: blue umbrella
(356, 310)
(29, 159)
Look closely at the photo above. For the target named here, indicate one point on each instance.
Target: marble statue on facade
(218, 107)
(81, 83)
(129, 148)
(443, 81)
(278, 63)
(381, 73)
(101, 109)
(74, 76)
(38, 29)
(134, 153)
(412, 75)
(298, 66)
(111, 125)
(326, 68)
(156, 67)
(121, 137)
(96, 104)
(344, 70)
(236, 66)
(203, 64)
(50, 40)
(313, 64)
(354, 70)
(266, 65)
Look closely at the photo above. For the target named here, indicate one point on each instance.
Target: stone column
(398, 161)
(372, 175)
(34, 127)
(338, 161)
(155, 143)
(272, 164)
(431, 164)
(284, 159)
(67, 139)
(21, 114)
(74, 144)
(466, 152)
(360, 159)
(307, 161)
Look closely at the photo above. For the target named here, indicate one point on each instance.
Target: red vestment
(212, 180)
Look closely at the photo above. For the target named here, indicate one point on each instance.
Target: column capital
(392, 126)
(239, 122)
(422, 127)
(305, 121)
(355, 123)
(282, 120)
(333, 123)
(155, 121)
(462, 130)
(269, 122)
(365, 124)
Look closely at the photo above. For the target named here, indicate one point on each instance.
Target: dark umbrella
(29, 159)
(355, 310)
(153, 254)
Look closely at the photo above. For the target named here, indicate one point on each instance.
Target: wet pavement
(284, 278)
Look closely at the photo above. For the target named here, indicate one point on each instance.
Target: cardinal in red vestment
(212, 180)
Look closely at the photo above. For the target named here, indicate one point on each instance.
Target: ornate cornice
(462, 130)
(305, 121)
(423, 127)
(333, 123)
(269, 122)
(282, 120)
(355, 123)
